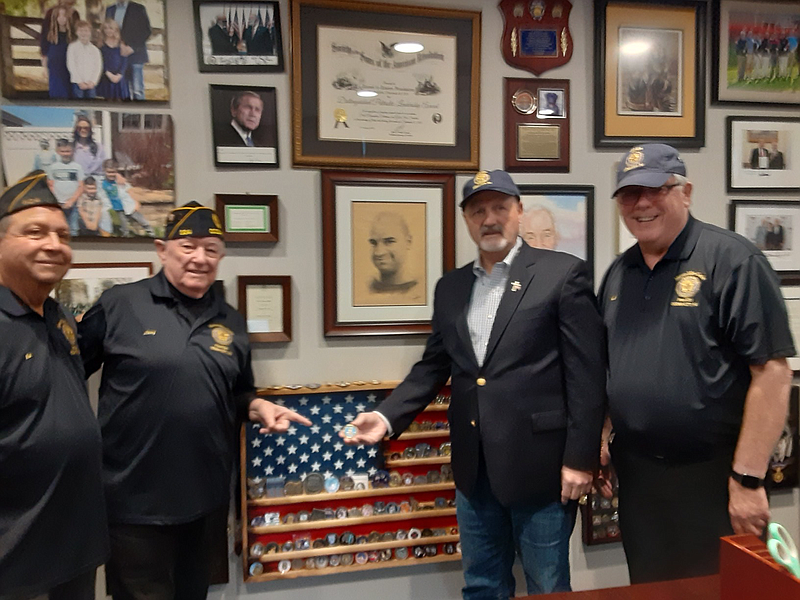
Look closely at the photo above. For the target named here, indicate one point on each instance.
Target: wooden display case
(600, 518)
(409, 520)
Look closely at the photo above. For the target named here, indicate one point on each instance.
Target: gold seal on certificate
(340, 116)
(537, 124)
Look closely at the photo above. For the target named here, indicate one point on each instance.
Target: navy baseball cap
(649, 165)
(497, 180)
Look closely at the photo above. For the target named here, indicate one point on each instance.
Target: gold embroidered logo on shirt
(223, 338)
(69, 333)
(686, 288)
(149, 332)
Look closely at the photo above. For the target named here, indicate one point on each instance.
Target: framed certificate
(248, 217)
(384, 86)
(266, 302)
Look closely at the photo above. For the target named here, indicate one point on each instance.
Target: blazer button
(481, 381)
(472, 422)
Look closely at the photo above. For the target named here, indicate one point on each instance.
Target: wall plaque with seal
(536, 124)
(536, 34)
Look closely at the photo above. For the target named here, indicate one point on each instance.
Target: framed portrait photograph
(85, 282)
(790, 288)
(115, 171)
(47, 47)
(774, 228)
(649, 72)
(384, 85)
(387, 239)
(248, 217)
(559, 217)
(244, 126)
(241, 36)
(763, 153)
(754, 53)
(266, 302)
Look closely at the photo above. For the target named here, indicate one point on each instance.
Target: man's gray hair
(680, 179)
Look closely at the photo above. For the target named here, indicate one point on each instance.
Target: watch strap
(749, 481)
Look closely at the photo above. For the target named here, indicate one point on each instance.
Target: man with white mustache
(518, 332)
(698, 381)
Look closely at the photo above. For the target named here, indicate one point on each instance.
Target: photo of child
(53, 47)
(123, 208)
(66, 181)
(112, 84)
(93, 217)
(84, 62)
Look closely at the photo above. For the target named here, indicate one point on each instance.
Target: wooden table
(699, 588)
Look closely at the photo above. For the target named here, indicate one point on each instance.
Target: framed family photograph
(241, 36)
(113, 170)
(559, 217)
(248, 217)
(763, 153)
(649, 72)
(85, 282)
(384, 86)
(774, 228)
(244, 126)
(754, 53)
(387, 239)
(266, 302)
(83, 50)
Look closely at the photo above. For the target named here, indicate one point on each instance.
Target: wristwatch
(751, 482)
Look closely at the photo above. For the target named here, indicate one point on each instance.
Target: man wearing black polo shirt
(698, 381)
(176, 379)
(53, 532)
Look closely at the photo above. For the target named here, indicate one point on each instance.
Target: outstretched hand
(273, 418)
(371, 429)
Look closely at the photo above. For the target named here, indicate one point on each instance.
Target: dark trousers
(161, 562)
(77, 588)
(671, 514)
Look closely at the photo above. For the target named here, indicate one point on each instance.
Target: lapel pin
(515, 286)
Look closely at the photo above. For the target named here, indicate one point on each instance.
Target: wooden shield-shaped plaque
(536, 34)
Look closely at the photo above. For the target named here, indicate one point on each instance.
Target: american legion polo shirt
(52, 512)
(172, 390)
(682, 337)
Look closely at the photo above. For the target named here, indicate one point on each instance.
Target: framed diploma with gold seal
(536, 124)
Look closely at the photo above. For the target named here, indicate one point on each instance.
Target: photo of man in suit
(222, 42)
(759, 157)
(135, 26)
(518, 333)
(246, 110)
(257, 36)
(776, 158)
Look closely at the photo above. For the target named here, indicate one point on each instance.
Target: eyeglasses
(631, 194)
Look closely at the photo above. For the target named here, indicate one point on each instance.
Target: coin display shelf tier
(315, 506)
(600, 518)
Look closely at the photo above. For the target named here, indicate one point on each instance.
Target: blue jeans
(73, 219)
(79, 93)
(136, 80)
(492, 534)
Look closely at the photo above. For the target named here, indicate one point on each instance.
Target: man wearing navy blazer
(519, 334)
(135, 26)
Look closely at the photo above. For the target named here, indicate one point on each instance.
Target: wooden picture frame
(249, 39)
(559, 217)
(650, 71)
(742, 69)
(387, 238)
(763, 154)
(537, 117)
(85, 282)
(248, 217)
(422, 109)
(774, 227)
(230, 119)
(265, 301)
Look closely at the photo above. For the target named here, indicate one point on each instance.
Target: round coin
(362, 558)
(256, 569)
(284, 566)
(314, 483)
(350, 431)
(347, 560)
(331, 485)
(401, 553)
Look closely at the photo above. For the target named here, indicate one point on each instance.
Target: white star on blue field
(302, 450)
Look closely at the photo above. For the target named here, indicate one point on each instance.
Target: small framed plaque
(537, 124)
(266, 302)
(536, 34)
(248, 217)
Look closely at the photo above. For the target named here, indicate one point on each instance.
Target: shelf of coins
(600, 517)
(316, 506)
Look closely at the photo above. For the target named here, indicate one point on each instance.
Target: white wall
(310, 357)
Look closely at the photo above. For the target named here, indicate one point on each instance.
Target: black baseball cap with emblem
(497, 180)
(192, 220)
(32, 190)
(649, 165)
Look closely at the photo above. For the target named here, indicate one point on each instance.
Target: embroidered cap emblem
(635, 158)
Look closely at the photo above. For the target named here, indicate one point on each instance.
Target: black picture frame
(230, 149)
(560, 201)
(268, 55)
(615, 131)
